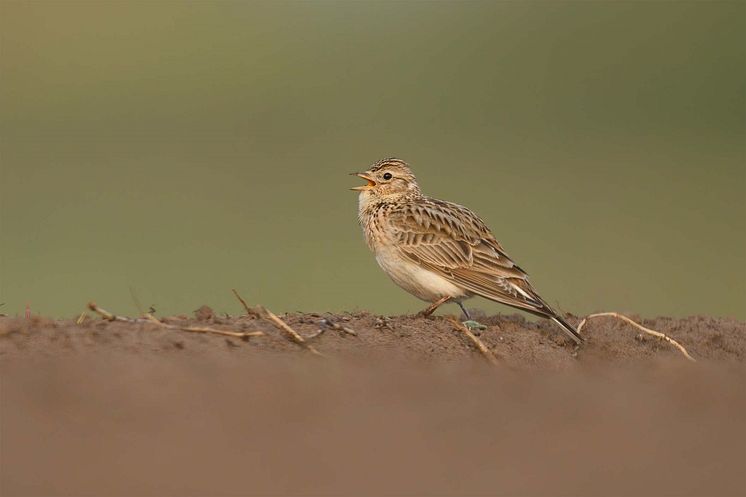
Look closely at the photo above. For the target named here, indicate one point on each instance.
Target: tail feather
(568, 328)
(544, 310)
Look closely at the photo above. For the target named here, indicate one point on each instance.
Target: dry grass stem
(328, 323)
(487, 353)
(249, 310)
(149, 318)
(107, 315)
(315, 334)
(433, 307)
(657, 334)
(268, 315)
(282, 325)
(243, 335)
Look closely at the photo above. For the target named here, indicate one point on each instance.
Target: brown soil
(405, 407)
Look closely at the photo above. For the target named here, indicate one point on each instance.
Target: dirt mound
(406, 406)
(516, 342)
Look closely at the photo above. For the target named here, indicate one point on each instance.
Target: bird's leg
(427, 312)
(474, 326)
(463, 309)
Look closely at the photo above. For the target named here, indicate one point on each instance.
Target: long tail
(568, 328)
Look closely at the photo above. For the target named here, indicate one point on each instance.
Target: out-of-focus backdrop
(176, 150)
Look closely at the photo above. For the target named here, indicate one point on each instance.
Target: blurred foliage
(182, 149)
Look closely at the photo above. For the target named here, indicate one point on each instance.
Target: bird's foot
(429, 311)
(474, 326)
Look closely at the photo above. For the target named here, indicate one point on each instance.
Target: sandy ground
(405, 407)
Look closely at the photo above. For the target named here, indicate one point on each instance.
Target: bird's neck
(369, 204)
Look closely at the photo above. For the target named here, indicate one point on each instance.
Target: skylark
(437, 250)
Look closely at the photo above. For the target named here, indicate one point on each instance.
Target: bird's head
(388, 178)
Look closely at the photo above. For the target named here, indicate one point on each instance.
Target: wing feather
(453, 242)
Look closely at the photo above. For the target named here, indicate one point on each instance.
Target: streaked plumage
(434, 249)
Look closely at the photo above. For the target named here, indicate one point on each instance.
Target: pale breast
(418, 281)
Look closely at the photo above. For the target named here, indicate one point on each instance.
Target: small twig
(149, 318)
(640, 327)
(487, 353)
(243, 335)
(249, 310)
(327, 322)
(265, 313)
(433, 307)
(107, 315)
(200, 329)
(81, 318)
(268, 315)
(316, 334)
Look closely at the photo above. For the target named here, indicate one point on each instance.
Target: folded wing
(453, 242)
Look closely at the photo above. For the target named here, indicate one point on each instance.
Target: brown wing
(453, 242)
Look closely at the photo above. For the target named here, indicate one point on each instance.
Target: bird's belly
(418, 281)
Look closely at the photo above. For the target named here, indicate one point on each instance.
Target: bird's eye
(387, 176)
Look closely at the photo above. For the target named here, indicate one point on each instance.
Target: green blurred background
(181, 149)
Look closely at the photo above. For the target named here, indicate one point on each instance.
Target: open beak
(371, 182)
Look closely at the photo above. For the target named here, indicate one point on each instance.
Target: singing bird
(440, 251)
